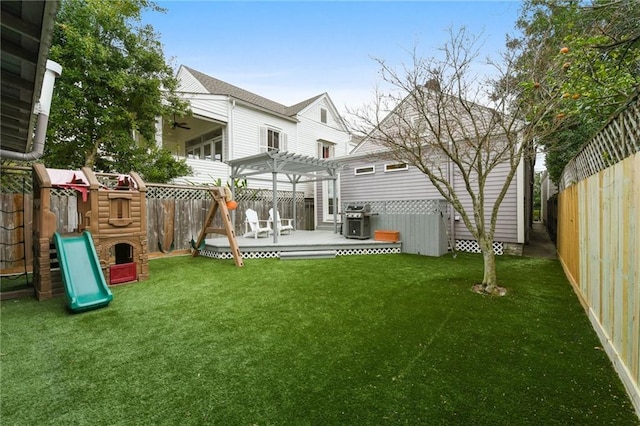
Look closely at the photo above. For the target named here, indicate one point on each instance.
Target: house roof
(431, 87)
(27, 28)
(219, 87)
(294, 109)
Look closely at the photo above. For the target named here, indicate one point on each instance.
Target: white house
(228, 123)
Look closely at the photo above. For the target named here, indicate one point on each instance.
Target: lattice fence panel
(402, 206)
(619, 139)
(15, 180)
(472, 246)
(177, 192)
(274, 254)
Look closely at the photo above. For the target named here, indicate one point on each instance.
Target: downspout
(42, 108)
(452, 217)
(229, 145)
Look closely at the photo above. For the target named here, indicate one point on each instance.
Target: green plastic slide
(83, 279)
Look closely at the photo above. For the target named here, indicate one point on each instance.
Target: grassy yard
(363, 340)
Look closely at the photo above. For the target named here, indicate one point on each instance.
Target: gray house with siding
(403, 198)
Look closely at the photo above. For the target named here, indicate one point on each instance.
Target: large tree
(442, 116)
(115, 83)
(598, 43)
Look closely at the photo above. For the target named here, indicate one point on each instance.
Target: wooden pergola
(298, 169)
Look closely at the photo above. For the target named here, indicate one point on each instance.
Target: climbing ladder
(13, 232)
(219, 203)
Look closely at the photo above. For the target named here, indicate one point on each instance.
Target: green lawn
(363, 340)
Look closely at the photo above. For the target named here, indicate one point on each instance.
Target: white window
(205, 147)
(326, 149)
(396, 167)
(323, 115)
(272, 139)
(366, 170)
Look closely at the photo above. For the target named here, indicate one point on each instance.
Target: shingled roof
(219, 87)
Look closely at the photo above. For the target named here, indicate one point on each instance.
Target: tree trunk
(90, 160)
(489, 281)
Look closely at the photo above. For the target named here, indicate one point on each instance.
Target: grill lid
(358, 209)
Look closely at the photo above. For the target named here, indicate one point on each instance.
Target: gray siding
(420, 233)
(507, 224)
(421, 226)
(381, 185)
(413, 184)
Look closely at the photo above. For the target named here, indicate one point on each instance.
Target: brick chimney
(433, 84)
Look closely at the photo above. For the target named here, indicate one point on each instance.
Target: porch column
(335, 205)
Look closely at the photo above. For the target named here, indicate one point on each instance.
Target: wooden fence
(175, 215)
(599, 241)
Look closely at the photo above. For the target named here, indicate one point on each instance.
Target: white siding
(211, 106)
(188, 83)
(246, 130)
(205, 172)
(311, 130)
(245, 138)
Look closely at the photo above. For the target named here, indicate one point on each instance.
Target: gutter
(42, 108)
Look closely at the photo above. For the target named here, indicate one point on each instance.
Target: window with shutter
(262, 140)
(272, 140)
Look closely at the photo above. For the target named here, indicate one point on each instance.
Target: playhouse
(110, 207)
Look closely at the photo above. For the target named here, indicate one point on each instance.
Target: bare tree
(443, 119)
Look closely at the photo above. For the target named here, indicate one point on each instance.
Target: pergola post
(295, 222)
(296, 167)
(274, 224)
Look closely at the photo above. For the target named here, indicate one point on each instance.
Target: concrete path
(540, 245)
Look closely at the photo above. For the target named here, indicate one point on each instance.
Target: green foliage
(157, 165)
(537, 196)
(115, 83)
(593, 76)
(386, 339)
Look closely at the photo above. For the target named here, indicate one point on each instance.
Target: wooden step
(308, 254)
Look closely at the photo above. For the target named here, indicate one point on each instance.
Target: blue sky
(289, 51)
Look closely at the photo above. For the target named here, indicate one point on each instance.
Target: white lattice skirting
(472, 246)
(275, 254)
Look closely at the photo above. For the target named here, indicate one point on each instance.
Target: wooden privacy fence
(16, 217)
(599, 239)
(176, 213)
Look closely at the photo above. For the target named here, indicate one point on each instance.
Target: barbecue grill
(358, 222)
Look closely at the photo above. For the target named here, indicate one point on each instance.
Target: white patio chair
(281, 225)
(253, 222)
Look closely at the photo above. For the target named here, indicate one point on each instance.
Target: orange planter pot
(391, 236)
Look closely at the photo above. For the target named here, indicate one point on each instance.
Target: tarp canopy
(298, 169)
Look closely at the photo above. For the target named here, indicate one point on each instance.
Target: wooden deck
(306, 244)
